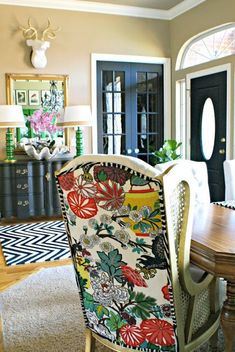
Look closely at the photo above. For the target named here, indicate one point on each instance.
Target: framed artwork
(34, 97)
(21, 97)
(46, 95)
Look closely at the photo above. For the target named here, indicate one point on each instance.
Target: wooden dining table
(213, 249)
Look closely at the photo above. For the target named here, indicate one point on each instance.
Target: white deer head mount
(39, 46)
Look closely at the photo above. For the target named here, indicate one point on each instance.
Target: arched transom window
(214, 44)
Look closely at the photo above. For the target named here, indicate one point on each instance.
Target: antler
(49, 32)
(30, 32)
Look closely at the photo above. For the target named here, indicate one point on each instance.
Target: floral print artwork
(118, 244)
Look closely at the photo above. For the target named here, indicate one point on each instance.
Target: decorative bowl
(45, 152)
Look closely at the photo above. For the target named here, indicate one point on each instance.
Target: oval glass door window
(208, 129)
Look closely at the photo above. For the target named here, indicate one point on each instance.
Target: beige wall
(211, 13)
(70, 53)
(85, 33)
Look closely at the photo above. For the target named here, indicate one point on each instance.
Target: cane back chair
(129, 230)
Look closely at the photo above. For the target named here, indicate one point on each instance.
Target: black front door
(208, 127)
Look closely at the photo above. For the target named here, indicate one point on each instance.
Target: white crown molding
(105, 8)
(183, 7)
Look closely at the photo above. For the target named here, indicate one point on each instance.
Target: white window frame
(186, 47)
(166, 62)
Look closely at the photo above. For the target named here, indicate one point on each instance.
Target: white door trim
(209, 71)
(138, 59)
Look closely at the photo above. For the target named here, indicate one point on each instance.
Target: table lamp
(11, 116)
(76, 116)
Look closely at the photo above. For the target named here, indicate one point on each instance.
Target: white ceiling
(152, 4)
(156, 9)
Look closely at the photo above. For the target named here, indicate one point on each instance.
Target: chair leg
(89, 341)
(214, 341)
(93, 344)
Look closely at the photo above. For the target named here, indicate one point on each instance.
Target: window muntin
(215, 44)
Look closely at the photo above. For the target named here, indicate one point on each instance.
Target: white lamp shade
(11, 116)
(77, 115)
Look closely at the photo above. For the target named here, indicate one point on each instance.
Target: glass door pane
(130, 108)
(113, 111)
(149, 112)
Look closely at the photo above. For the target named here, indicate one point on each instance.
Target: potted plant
(167, 152)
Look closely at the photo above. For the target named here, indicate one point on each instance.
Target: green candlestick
(18, 135)
(79, 142)
(9, 147)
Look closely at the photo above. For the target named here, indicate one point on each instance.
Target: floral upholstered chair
(129, 231)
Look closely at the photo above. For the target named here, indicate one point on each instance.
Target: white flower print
(135, 215)
(122, 235)
(106, 247)
(106, 219)
(88, 241)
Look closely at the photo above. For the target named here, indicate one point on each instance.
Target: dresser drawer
(23, 170)
(28, 189)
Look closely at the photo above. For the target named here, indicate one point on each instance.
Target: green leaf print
(111, 263)
(101, 311)
(88, 301)
(114, 322)
(143, 305)
(102, 176)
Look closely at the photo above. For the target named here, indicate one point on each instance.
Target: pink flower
(42, 121)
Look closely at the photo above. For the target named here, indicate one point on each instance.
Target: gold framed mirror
(36, 92)
(33, 82)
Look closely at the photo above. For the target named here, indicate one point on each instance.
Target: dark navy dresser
(28, 189)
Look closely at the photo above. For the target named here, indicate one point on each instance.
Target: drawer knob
(24, 186)
(21, 171)
(48, 176)
(23, 203)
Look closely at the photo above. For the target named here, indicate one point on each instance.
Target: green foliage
(167, 152)
(88, 301)
(114, 323)
(101, 311)
(102, 176)
(143, 304)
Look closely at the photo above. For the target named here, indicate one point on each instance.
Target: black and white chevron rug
(35, 242)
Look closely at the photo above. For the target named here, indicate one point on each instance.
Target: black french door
(129, 108)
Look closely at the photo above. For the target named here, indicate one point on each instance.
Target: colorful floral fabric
(119, 245)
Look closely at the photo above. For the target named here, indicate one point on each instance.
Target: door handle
(222, 151)
(129, 151)
(137, 150)
(223, 140)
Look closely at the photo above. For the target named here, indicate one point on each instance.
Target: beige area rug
(42, 314)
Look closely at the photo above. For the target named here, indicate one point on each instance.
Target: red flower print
(166, 293)
(67, 181)
(110, 195)
(158, 332)
(105, 173)
(84, 208)
(133, 276)
(132, 335)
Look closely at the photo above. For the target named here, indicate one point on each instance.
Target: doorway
(208, 127)
(130, 114)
